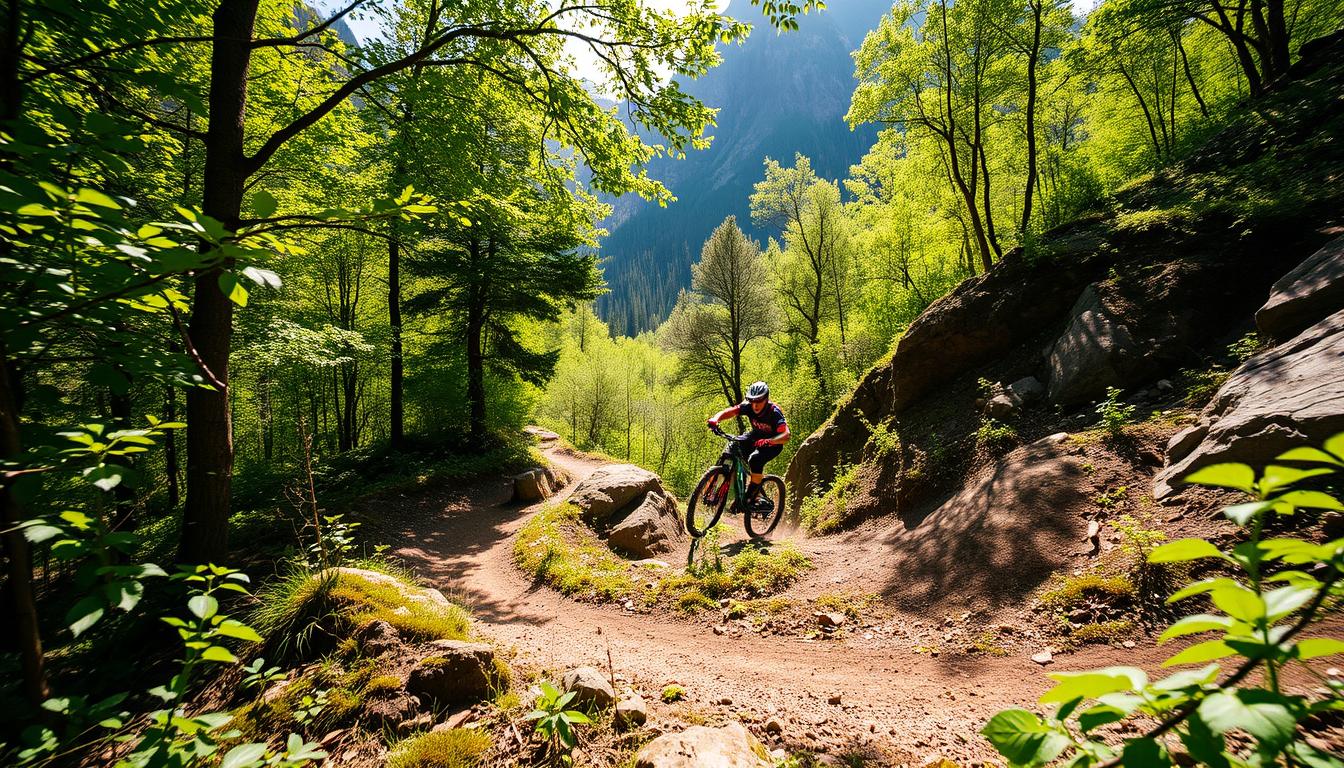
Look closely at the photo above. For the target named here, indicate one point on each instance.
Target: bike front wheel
(707, 501)
(761, 523)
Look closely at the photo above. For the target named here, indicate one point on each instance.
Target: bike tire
(712, 476)
(760, 524)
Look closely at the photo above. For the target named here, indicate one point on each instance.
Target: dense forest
(252, 263)
(1000, 123)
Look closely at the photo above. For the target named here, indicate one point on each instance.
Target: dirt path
(894, 704)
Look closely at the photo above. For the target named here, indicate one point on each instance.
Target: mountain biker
(769, 433)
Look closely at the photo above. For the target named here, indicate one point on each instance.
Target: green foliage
(672, 693)
(1114, 414)
(303, 611)
(1074, 589)
(830, 511)
(554, 722)
(882, 437)
(995, 436)
(1263, 613)
(453, 748)
(1244, 348)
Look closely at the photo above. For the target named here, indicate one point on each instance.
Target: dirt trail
(894, 703)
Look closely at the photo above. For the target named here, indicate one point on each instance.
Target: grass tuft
(303, 613)
(455, 748)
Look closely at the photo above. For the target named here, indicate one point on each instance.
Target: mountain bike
(728, 477)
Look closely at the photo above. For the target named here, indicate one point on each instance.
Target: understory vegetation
(557, 548)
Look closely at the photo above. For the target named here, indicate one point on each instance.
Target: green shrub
(882, 437)
(1114, 414)
(1074, 589)
(673, 693)
(556, 548)
(1244, 348)
(828, 512)
(454, 748)
(1103, 631)
(995, 436)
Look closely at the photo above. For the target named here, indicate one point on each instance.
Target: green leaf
(1261, 713)
(1145, 753)
(1199, 588)
(264, 204)
(1315, 647)
(1239, 603)
(1313, 455)
(239, 630)
(1313, 757)
(228, 283)
(105, 476)
(1182, 550)
(1277, 476)
(1022, 738)
(262, 277)
(244, 756)
(84, 614)
(1190, 625)
(1099, 715)
(203, 606)
(1199, 653)
(1237, 476)
(1284, 600)
(1188, 678)
(1241, 514)
(1094, 683)
(1311, 500)
(94, 197)
(218, 653)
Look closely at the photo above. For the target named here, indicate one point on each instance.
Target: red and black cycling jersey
(768, 423)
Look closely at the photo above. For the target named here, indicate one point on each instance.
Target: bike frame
(739, 470)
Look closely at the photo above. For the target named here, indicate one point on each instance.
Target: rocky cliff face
(1121, 298)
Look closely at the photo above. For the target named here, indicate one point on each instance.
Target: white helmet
(758, 391)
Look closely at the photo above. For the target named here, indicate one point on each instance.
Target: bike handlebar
(716, 429)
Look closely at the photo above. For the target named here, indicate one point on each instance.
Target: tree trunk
(1033, 56)
(1189, 76)
(17, 554)
(397, 436)
(1278, 42)
(170, 467)
(205, 522)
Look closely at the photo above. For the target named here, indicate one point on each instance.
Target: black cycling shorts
(759, 456)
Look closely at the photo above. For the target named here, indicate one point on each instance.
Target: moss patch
(455, 748)
(556, 548)
(1074, 589)
(1103, 631)
(304, 614)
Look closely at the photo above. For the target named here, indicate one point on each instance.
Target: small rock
(590, 688)
(1043, 658)
(1164, 385)
(415, 723)
(628, 605)
(631, 712)
(725, 701)
(1093, 530)
(378, 637)
(454, 720)
(1333, 672)
(719, 629)
(774, 725)
(1128, 644)
(831, 620)
(778, 755)
(834, 699)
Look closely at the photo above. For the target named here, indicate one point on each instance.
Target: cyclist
(769, 431)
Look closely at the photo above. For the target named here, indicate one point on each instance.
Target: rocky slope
(1168, 274)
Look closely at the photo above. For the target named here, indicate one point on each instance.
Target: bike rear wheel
(707, 501)
(759, 524)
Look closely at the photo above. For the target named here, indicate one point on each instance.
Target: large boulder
(1093, 353)
(591, 690)
(699, 746)
(1312, 290)
(1284, 397)
(653, 528)
(613, 489)
(453, 672)
(537, 484)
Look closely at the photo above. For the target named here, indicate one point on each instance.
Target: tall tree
(732, 306)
